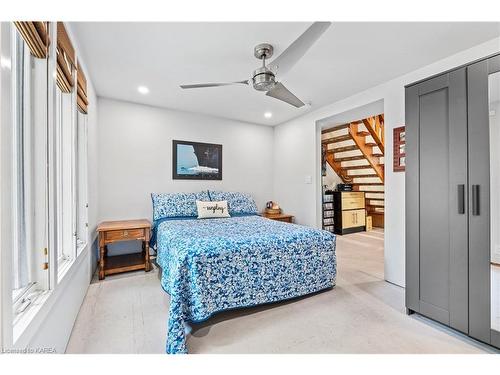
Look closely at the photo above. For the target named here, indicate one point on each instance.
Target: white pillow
(208, 210)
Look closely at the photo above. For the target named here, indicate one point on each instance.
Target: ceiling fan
(264, 78)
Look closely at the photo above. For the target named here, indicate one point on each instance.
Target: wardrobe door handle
(475, 200)
(461, 199)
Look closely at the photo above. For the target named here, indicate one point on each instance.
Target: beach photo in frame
(196, 161)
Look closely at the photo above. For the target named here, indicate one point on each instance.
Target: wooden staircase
(355, 151)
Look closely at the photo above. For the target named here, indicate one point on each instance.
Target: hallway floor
(363, 314)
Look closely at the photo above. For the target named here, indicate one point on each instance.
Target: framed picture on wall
(196, 161)
(399, 151)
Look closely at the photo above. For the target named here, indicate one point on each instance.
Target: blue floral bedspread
(212, 265)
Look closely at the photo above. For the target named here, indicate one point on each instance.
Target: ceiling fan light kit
(264, 78)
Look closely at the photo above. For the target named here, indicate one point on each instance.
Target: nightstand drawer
(123, 235)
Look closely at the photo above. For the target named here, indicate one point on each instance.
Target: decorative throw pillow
(176, 204)
(207, 210)
(238, 203)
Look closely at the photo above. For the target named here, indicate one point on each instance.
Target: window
(81, 182)
(65, 180)
(47, 174)
(29, 176)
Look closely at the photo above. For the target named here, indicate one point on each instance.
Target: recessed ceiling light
(143, 90)
(268, 115)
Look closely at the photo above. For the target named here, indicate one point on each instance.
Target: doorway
(352, 192)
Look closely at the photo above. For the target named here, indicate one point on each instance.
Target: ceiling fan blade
(202, 85)
(279, 91)
(289, 57)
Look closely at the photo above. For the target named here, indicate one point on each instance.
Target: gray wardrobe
(452, 185)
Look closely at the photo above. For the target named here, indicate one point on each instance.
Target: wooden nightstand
(124, 230)
(279, 217)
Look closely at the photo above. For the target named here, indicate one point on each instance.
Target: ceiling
(348, 58)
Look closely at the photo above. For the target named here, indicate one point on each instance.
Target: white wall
(135, 156)
(297, 144)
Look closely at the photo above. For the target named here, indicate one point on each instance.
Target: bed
(211, 265)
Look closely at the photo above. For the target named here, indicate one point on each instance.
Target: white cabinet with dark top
(350, 212)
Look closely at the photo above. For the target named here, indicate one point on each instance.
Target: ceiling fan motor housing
(263, 79)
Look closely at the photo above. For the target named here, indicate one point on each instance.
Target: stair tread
(363, 175)
(378, 154)
(363, 133)
(335, 128)
(344, 148)
(336, 139)
(369, 183)
(350, 158)
(358, 167)
(372, 144)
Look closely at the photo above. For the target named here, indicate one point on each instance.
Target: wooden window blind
(65, 60)
(82, 99)
(36, 36)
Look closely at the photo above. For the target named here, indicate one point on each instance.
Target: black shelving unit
(328, 210)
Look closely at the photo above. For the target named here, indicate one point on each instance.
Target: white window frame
(31, 111)
(65, 180)
(81, 184)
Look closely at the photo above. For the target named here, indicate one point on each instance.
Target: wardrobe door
(436, 181)
(484, 217)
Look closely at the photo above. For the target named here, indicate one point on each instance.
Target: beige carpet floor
(127, 313)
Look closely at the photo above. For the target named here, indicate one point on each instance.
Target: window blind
(65, 60)
(36, 36)
(82, 99)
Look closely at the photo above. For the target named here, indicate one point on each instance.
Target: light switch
(308, 180)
